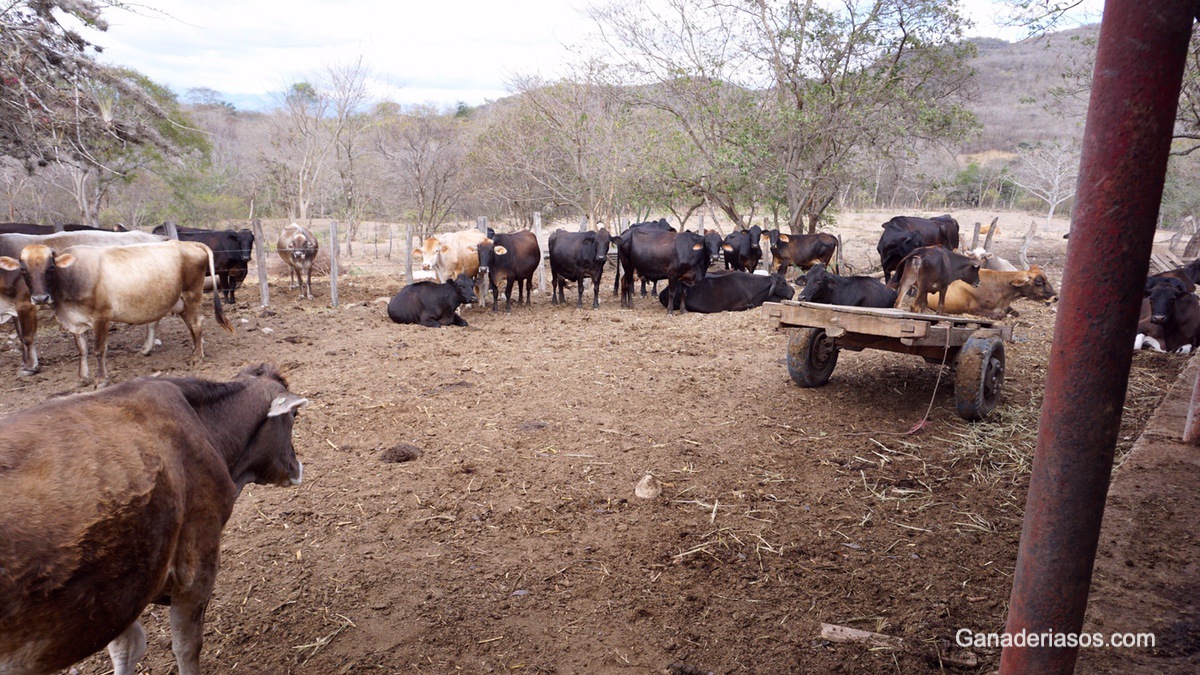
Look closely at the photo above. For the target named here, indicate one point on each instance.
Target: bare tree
(1048, 171)
(348, 91)
(424, 150)
(301, 142)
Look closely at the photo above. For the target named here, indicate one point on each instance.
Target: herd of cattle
(123, 503)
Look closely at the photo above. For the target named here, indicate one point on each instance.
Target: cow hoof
(28, 372)
(102, 384)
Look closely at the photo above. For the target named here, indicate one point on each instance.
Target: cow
(660, 225)
(894, 246)
(801, 250)
(30, 228)
(298, 248)
(679, 257)
(450, 254)
(1189, 274)
(831, 289)
(575, 256)
(996, 291)
(937, 231)
(93, 286)
(1170, 318)
(14, 292)
(732, 291)
(116, 499)
(930, 269)
(231, 254)
(743, 249)
(432, 304)
(510, 257)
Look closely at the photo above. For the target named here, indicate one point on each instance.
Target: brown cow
(298, 248)
(996, 291)
(93, 286)
(930, 269)
(116, 499)
(14, 292)
(509, 258)
(801, 250)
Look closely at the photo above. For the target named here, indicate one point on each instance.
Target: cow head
(464, 286)
(817, 283)
(270, 457)
(488, 253)
(692, 253)
(429, 252)
(780, 289)
(976, 260)
(245, 243)
(1033, 284)
(1162, 294)
(714, 243)
(39, 266)
(752, 244)
(603, 241)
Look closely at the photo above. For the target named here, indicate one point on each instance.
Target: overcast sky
(442, 51)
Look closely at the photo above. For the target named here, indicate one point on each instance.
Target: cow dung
(404, 452)
(648, 487)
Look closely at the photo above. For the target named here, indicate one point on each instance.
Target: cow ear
(445, 249)
(783, 237)
(9, 264)
(65, 260)
(500, 250)
(1022, 280)
(726, 247)
(285, 404)
(697, 247)
(418, 253)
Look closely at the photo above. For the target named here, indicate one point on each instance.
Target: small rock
(961, 659)
(266, 331)
(648, 487)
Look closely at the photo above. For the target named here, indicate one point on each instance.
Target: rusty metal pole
(1135, 90)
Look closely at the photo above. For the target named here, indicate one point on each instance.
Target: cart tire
(811, 357)
(979, 377)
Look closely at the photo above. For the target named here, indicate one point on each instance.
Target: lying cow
(930, 269)
(231, 254)
(116, 499)
(1170, 318)
(575, 256)
(93, 286)
(994, 295)
(432, 304)
(14, 291)
(801, 250)
(729, 291)
(510, 258)
(450, 254)
(831, 289)
(298, 248)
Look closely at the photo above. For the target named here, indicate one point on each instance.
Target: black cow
(724, 291)
(575, 256)
(894, 246)
(937, 231)
(1170, 317)
(679, 257)
(831, 289)
(931, 269)
(231, 253)
(511, 257)
(660, 225)
(30, 228)
(801, 250)
(744, 249)
(432, 304)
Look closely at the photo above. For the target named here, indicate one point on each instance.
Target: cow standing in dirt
(298, 248)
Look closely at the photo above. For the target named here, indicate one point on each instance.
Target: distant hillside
(1012, 85)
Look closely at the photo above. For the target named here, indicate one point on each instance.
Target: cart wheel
(811, 357)
(979, 377)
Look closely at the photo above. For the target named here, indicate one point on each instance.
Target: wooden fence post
(389, 253)
(408, 249)
(172, 231)
(537, 231)
(482, 223)
(583, 224)
(333, 262)
(260, 248)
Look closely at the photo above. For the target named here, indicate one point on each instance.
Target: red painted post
(1135, 90)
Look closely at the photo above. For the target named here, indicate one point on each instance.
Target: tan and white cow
(14, 292)
(90, 287)
(116, 499)
(996, 291)
(450, 254)
(298, 248)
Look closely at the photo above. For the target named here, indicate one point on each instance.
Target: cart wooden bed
(975, 346)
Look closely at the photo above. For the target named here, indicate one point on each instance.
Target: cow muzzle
(41, 299)
(1158, 319)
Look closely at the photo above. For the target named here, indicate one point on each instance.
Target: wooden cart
(975, 346)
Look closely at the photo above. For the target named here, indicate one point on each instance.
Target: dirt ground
(514, 541)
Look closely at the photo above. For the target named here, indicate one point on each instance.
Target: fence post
(389, 253)
(260, 255)
(172, 231)
(537, 231)
(58, 227)
(408, 249)
(333, 262)
(481, 223)
(583, 224)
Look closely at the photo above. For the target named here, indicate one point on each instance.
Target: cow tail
(217, 311)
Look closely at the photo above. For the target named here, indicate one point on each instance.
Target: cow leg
(308, 280)
(595, 291)
(508, 284)
(151, 329)
(529, 292)
(82, 348)
(554, 289)
(187, 635)
(672, 297)
(127, 649)
(191, 316)
(100, 327)
(26, 325)
(458, 320)
(579, 302)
